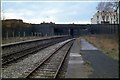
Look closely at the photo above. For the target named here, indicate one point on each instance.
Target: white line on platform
(75, 62)
(75, 54)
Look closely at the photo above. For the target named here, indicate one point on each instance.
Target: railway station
(58, 53)
(44, 40)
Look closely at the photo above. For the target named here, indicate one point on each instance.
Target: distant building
(105, 18)
(47, 22)
(14, 23)
(11, 22)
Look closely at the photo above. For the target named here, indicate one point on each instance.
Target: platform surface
(100, 65)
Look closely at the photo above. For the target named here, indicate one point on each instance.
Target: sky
(60, 12)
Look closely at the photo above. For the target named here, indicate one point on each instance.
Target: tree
(116, 5)
(107, 6)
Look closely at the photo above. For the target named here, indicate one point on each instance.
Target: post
(31, 33)
(40, 34)
(13, 34)
(35, 33)
(69, 32)
(18, 34)
(24, 34)
(46, 34)
(7, 35)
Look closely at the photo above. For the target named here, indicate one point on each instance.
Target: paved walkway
(75, 65)
(87, 46)
(102, 66)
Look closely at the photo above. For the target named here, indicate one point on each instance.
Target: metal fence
(38, 30)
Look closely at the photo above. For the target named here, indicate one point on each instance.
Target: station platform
(76, 67)
(29, 40)
(87, 61)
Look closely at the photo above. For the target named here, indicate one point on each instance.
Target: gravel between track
(18, 69)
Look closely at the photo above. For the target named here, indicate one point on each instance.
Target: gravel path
(19, 69)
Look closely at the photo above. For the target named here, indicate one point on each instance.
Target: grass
(107, 43)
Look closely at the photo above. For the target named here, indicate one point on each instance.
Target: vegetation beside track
(107, 43)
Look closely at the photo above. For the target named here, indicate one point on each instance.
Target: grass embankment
(107, 43)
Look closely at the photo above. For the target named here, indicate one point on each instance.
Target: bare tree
(107, 6)
(115, 5)
(100, 6)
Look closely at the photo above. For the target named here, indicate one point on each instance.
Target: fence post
(13, 34)
(18, 34)
(7, 35)
(46, 34)
(24, 34)
(35, 33)
(31, 34)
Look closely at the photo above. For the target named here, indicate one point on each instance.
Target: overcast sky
(60, 12)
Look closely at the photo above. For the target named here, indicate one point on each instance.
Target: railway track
(11, 58)
(51, 65)
(11, 48)
(14, 57)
